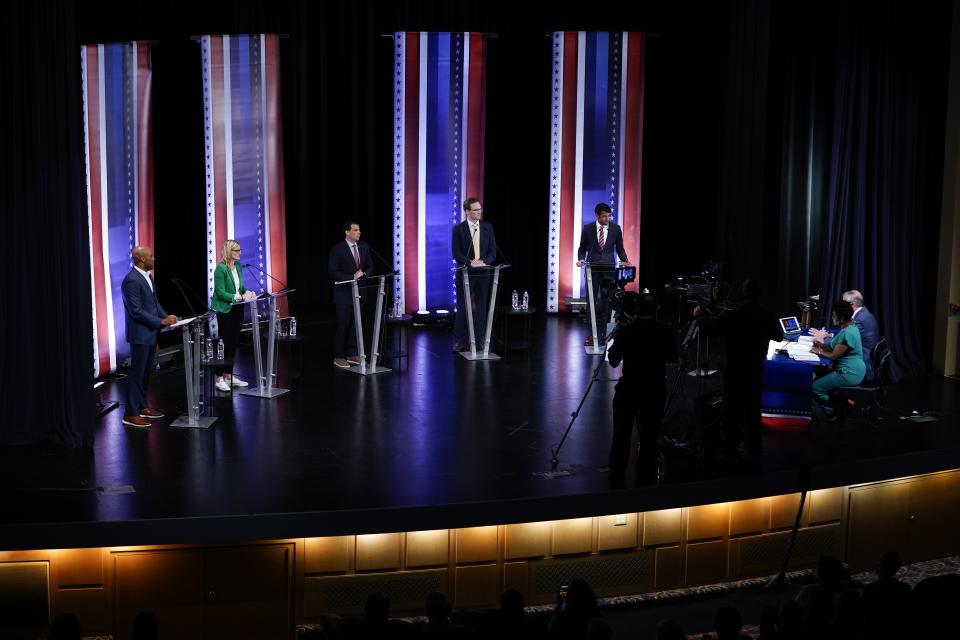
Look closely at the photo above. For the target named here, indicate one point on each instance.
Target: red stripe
(786, 424)
(633, 143)
(568, 166)
(96, 212)
(274, 148)
(411, 168)
(144, 145)
(477, 84)
(219, 155)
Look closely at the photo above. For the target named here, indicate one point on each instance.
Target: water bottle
(526, 301)
(208, 350)
(397, 309)
(514, 301)
(293, 327)
(220, 349)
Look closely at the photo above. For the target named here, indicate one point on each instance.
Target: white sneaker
(237, 382)
(222, 385)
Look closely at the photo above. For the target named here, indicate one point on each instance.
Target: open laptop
(790, 326)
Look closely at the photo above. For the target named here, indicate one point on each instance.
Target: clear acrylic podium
(366, 368)
(191, 330)
(266, 368)
(464, 272)
(600, 267)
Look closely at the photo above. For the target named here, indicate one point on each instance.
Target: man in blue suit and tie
(349, 260)
(145, 318)
(474, 245)
(599, 241)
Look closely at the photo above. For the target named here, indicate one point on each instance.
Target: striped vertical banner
(596, 139)
(439, 109)
(243, 145)
(118, 140)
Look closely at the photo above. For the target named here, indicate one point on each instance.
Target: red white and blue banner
(243, 144)
(439, 106)
(118, 139)
(596, 139)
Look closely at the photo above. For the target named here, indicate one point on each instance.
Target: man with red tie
(349, 260)
(601, 242)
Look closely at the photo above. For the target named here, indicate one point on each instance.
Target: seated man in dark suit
(598, 242)
(867, 324)
(474, 245)
(349, 260)
(144, 317)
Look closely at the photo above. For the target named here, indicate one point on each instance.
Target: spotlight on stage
(432, 318)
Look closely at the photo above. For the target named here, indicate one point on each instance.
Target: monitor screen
(790, 325)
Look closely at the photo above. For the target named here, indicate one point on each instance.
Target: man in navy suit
(145, 317)
(598, 243)
(474, 245)
(349, 260)
(867, 324)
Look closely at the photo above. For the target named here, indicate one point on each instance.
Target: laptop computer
(790, 325)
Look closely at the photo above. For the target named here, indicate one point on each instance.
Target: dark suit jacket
(590, 250)
(142, 309)
(869, 335)
(342, 267)
(462, 244)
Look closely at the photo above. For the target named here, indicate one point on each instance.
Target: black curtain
(881, 221)
(46, 343)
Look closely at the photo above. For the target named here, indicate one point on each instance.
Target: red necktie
(356, 257)
(601, 238)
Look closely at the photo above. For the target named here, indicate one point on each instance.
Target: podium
(601, 267)
(266, 368)
(191, 330)
(365, 368)
(465, 272)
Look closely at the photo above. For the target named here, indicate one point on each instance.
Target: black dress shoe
(457, 347)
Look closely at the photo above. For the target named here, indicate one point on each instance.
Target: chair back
(878, 354)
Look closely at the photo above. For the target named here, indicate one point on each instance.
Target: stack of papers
(799, 350)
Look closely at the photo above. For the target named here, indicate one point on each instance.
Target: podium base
(269, 392)
(479, 355)
(368, 371)
(701, 373)
(202, 422)
(595, 351)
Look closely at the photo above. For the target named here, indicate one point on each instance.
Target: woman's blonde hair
(228, 247)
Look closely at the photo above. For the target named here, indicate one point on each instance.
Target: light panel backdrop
(596, 138)
(439, 103)
(243, 145)
(119, 162)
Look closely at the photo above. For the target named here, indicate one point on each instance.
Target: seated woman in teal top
(227, 289)
(845, 349)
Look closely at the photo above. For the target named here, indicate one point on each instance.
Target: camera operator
(644, 345)
(748, 330)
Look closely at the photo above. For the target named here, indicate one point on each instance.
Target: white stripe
(211, 184)
(465, 123)
(228, 133)
(399, 177)
(578, 170)
(422, 179)
(264, 137)
(621, 151)
(556, 164)
(86, 163)
(104, 217)
(136, 146)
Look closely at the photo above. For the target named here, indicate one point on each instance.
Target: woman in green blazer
(227, 289)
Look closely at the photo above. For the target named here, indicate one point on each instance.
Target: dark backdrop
(741, 143)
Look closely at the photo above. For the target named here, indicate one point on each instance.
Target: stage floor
(440, 443)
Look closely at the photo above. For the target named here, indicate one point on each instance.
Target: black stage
(441, 443)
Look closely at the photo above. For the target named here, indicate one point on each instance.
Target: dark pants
(629, 404)
(345, 338)
(228, 329)
(142, 357)
(480, 291)
(742, 389)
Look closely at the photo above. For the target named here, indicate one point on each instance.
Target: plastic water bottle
(526, 301)
(293, 327)
(514, 301)
(220, 349)
(208, 350)
(397, 309)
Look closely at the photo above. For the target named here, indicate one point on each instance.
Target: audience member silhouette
(512, 622)
(670, 630)
(571, 618)
(828, 603)
(146, 626)
(438, 620)
(935, 601)
(886, 601)
(65, 626)
(727, 623)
